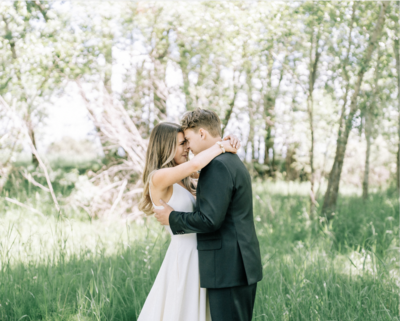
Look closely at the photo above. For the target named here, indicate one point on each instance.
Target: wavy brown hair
(202, 118)
(160, 154)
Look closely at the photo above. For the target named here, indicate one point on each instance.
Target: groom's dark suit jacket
(229, 252)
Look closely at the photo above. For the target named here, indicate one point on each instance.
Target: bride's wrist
(221, 146)
(217, 148)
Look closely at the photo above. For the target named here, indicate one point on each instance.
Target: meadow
(75, 268)
(312, 89)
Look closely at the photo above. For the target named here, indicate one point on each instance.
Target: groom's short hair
(202, 118)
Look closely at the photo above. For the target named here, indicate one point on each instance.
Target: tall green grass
(52, 270)
(75, 269)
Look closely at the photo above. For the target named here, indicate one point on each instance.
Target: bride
(176, 294)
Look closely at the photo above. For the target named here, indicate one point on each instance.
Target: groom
(229, 253)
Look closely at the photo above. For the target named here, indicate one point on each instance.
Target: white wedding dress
(176, 294)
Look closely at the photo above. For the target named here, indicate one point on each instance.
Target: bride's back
(182, 201)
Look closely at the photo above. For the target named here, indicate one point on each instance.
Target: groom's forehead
(191, 131)
(188, 133)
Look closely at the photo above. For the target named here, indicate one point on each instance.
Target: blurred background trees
(312, 88)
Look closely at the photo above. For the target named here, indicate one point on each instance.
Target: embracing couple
(212, 265)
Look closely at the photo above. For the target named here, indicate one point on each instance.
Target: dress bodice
(181, 200)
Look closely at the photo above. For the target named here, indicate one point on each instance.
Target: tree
(39, 52)
(346, 121)
(146, 37)
(314, 29)
(396, 50)
(371, 112)
(275, 40)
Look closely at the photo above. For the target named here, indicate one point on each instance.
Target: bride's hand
(234, 140)
(228, 147)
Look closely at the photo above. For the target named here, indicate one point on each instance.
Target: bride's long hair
(160, 154)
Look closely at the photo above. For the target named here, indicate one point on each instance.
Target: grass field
(72, 268)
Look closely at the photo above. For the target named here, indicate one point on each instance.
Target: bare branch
(121, 191)
(29, 178)
(14, 201)
(118, 183)
(34, 151)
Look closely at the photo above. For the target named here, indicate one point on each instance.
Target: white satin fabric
(176, 294)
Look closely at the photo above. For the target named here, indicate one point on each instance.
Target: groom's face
(195, 140)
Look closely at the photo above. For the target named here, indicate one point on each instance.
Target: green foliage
(240, 59)
(64, 176)
(73, 147)
(252, 59)
(78, 270)
(372, 224)
(305, 285)
(87, 283)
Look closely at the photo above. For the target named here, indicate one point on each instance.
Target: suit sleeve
(216, 187)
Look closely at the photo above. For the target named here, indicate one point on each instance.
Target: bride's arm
(165, 177)
(235, 142)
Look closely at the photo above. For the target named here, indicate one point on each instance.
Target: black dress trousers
(232, 304)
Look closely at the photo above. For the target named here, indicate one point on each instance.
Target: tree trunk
(184, 65)
(270, 97)
(159, 90)
(228, 112)
(186, 85)
(369, 122)
(310, 110)
(250, 107)
(396, 48)
(31, 133)
(268, 106)
(310, 106)
(368, 139)
(109, 64)
(43, 8)
(251, 132)
(267, 145)
(332, 191)
(10, 38)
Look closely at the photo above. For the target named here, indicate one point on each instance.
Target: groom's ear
(202, 133)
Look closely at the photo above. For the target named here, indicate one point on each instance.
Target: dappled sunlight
(303, 188)
(103, 267)
(33, 239)
(310, 90)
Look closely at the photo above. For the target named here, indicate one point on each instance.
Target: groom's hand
(162, 215)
